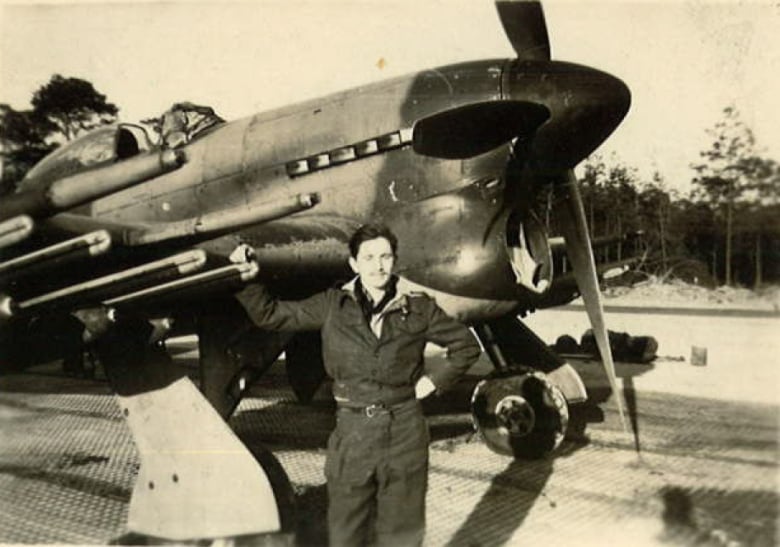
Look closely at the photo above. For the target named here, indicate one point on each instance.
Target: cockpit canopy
(102, 146)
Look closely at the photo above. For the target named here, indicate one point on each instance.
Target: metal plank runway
(702, 471)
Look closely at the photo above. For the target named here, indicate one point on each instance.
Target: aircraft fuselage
(403, 152)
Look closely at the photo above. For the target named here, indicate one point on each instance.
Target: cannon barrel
(62, 194)
(213, 224)
(15, 230)
(95, 291)
(226, 277)
(88, 245)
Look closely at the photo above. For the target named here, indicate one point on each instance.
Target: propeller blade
(578, 248)
(525, 26)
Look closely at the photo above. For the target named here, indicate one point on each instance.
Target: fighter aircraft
(113, 240)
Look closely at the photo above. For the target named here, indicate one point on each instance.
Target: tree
(694, 223)
(620, 202)
(723, 178)
(73, 106)
(591, 185)
(23, 138)
(759, 215)
(655, 209)
(62, 108)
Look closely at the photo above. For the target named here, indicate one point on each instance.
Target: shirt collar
(402, 287)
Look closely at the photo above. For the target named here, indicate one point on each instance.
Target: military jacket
(368, 368)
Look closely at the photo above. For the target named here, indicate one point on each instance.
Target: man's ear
(353, 264)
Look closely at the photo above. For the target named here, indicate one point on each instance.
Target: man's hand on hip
(424, 387)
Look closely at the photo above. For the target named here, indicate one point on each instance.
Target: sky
(684, 60)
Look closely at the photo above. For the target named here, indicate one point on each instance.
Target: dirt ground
(675, 293)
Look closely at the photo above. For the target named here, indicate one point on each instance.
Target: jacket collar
(399, 302)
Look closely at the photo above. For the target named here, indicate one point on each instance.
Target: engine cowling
(473, 246)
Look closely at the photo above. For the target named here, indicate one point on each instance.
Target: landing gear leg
(305, 369)
(521, 409)
(233, 355)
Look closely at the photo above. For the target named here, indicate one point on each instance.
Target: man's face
(374, 263)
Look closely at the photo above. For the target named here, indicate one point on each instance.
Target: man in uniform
(374, 331)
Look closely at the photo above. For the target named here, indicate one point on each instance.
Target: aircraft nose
(585, 104)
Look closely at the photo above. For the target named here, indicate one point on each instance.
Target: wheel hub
(515, 415)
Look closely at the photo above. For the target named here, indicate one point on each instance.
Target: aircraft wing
(105, 262)
(101, 261)
(190, 230)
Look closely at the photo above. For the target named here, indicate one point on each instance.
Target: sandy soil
(679, 294)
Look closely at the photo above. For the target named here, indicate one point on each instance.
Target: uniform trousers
(377, 473)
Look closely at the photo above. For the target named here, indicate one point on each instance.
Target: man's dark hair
(368, 232)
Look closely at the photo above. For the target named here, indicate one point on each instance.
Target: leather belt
(374, 408)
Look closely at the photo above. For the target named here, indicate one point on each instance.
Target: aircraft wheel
(522, 414)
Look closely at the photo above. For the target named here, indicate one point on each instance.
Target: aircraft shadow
(506, 503)
(508, 500)
(286, 425)
(599, 392)
(289, 425)
(515, 491)
(311, 516)
(50, 380)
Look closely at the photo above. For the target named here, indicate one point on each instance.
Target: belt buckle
(373, 410)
